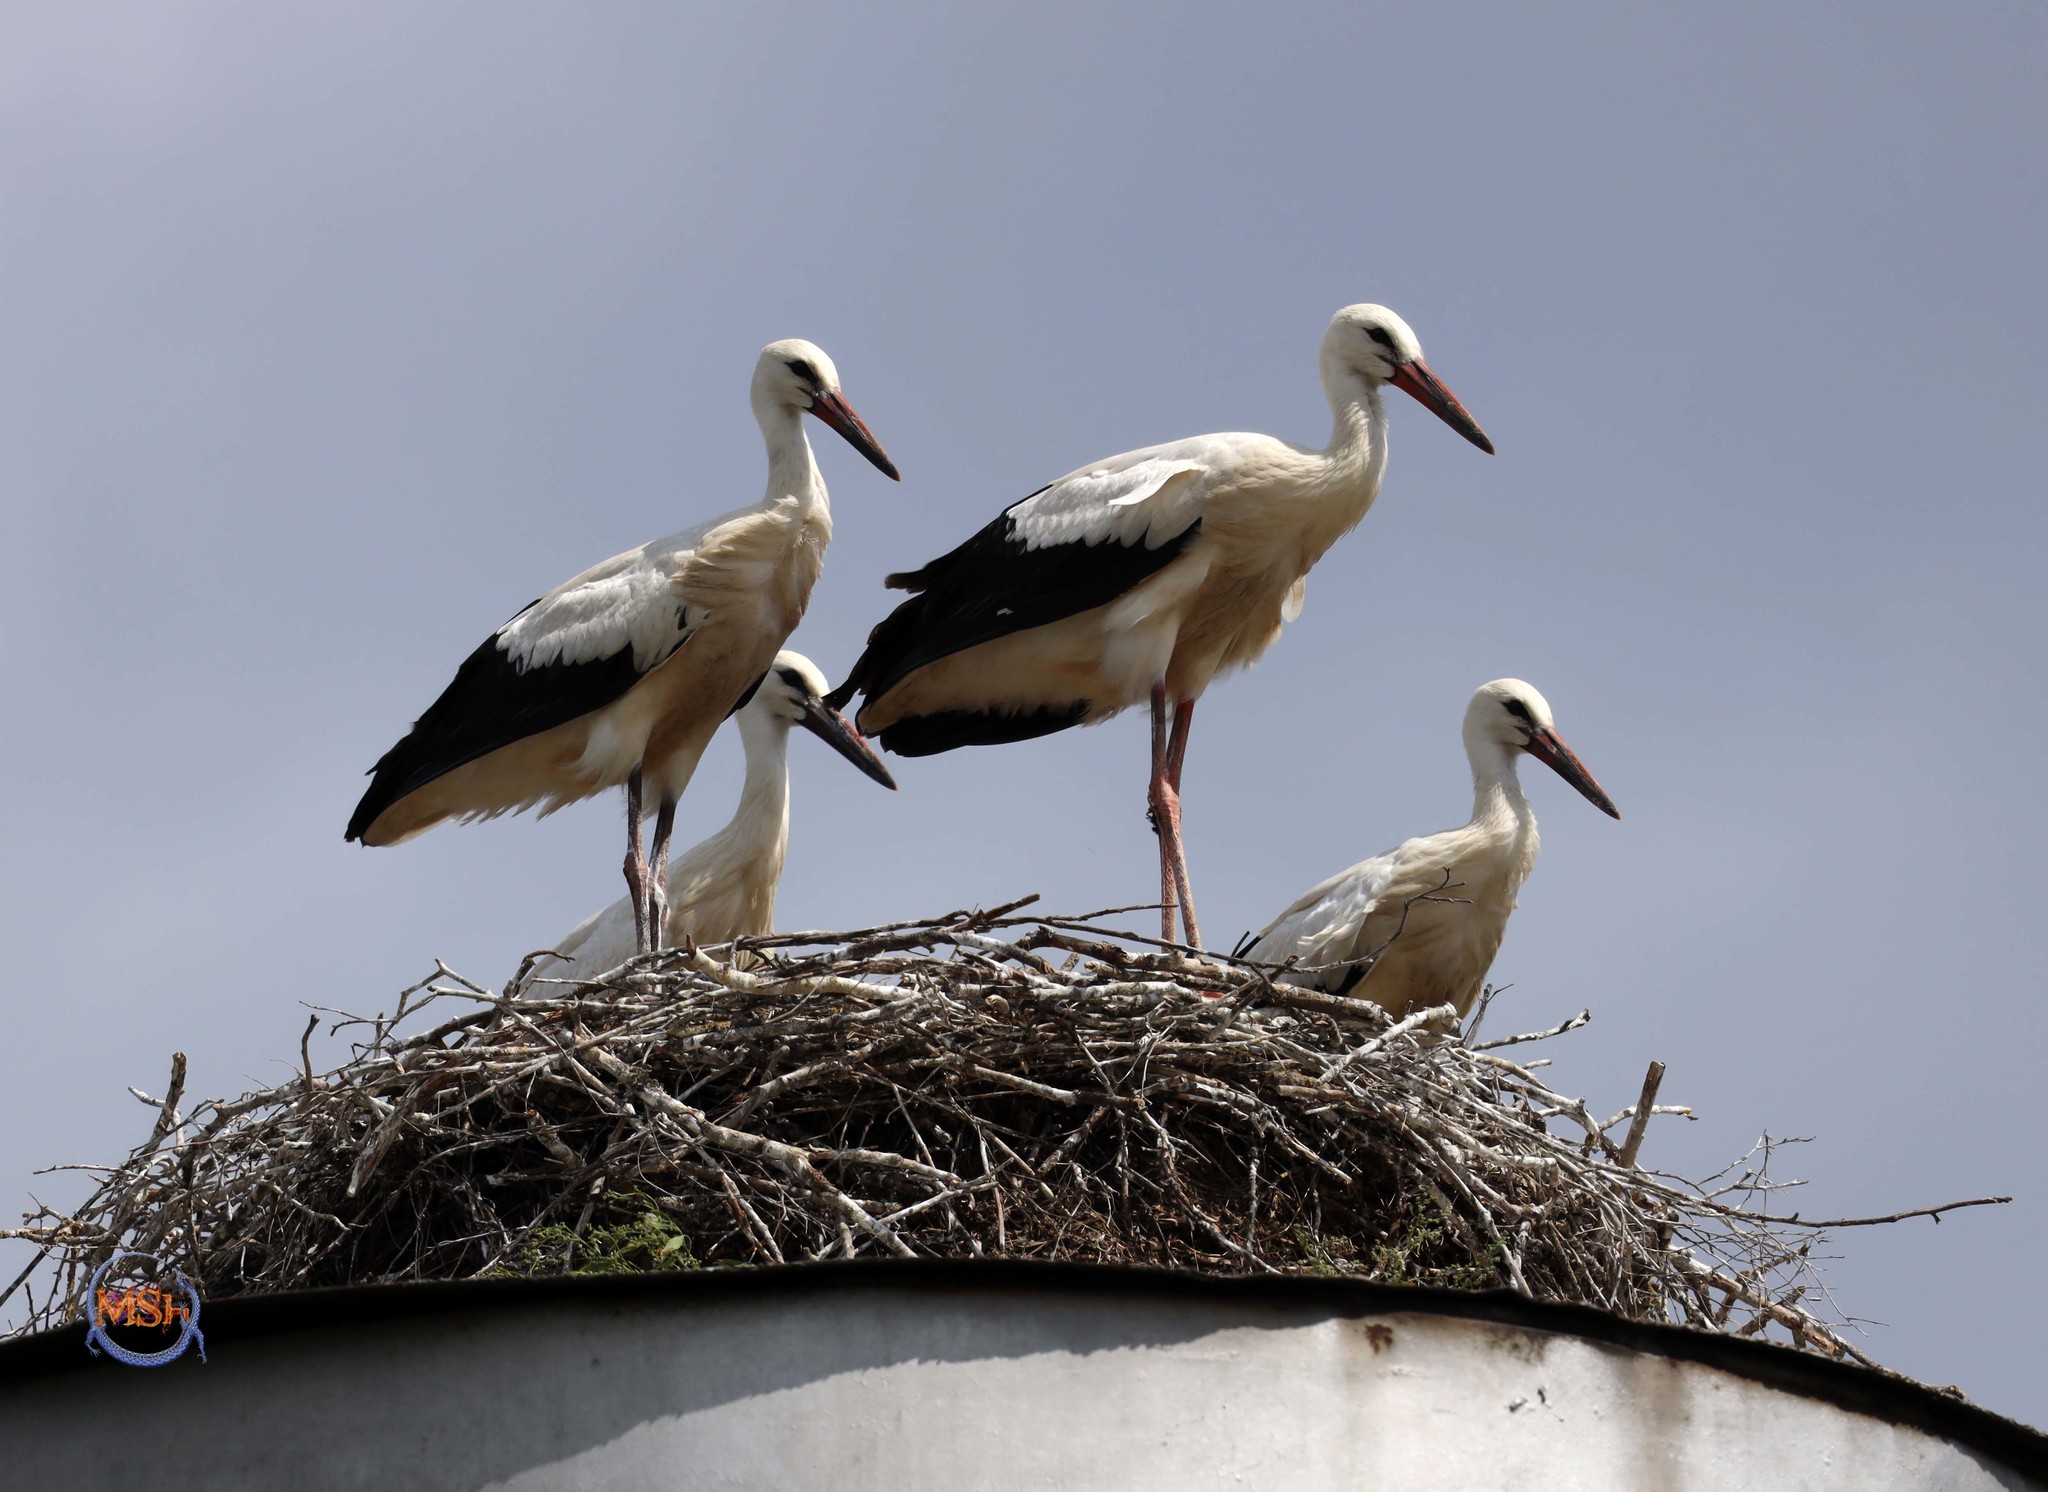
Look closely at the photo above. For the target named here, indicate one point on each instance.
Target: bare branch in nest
(982, 1084)
(1639, 1123)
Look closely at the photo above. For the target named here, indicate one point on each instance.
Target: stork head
(1508, 715)
(792, 692)
(796, 375)
(1372, 343)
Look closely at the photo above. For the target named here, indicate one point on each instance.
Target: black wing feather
(991, 586)
(928, 735)
(491, 702)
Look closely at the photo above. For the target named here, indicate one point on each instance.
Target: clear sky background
(330, 336)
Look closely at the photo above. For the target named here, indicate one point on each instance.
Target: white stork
(725, 887)
(622, 674)
(1419, 926)
(1140, 577)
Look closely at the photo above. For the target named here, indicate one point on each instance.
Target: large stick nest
(980, 1085)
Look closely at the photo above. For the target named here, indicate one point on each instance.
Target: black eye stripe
(805, 371)
(1515, 708)
(1381, 335)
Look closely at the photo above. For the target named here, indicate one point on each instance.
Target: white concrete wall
(904, 1389)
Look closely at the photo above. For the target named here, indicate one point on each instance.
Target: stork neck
(1497, 801)
(1358, 429)
(792, 469)
(761, 822)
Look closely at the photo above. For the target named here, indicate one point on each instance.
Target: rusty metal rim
(1886, 1396)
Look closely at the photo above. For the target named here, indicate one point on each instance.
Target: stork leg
(636, 864)
(1176, 757)
(1164, 802)
(1160, 803)
(657, 889)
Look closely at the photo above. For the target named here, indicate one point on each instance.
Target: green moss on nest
(637, 1238)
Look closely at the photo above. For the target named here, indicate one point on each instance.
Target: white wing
(1324, 923)
(1146, 502)
(632, 600)
(1141, 497)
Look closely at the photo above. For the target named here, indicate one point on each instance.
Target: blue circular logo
(153, 1304)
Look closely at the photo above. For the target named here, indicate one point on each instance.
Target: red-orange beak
(836, 412)
(1545, 746)
(1416, 379)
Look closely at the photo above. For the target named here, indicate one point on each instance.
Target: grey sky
(331, 336)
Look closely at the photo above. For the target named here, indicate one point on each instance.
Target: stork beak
(1416, 379)
(1554, 754)
(836, 731)
(836, 412)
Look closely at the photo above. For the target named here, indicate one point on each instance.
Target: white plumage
(1419, 926)
(622, 674)
(724, 888)
(1140, 578)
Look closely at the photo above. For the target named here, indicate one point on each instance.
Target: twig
(1796, 1221)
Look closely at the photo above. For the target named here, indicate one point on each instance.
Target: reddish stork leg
(1161, 803)
(1176, 757)
(636, 864)
(1164, 801)
(657, 886)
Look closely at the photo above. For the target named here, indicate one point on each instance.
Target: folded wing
(1072, 546)
(575, 650)
(1322, 931)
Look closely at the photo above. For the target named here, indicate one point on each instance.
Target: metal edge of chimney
(1882, 1395)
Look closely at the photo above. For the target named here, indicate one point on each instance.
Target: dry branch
(1639, 1121)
